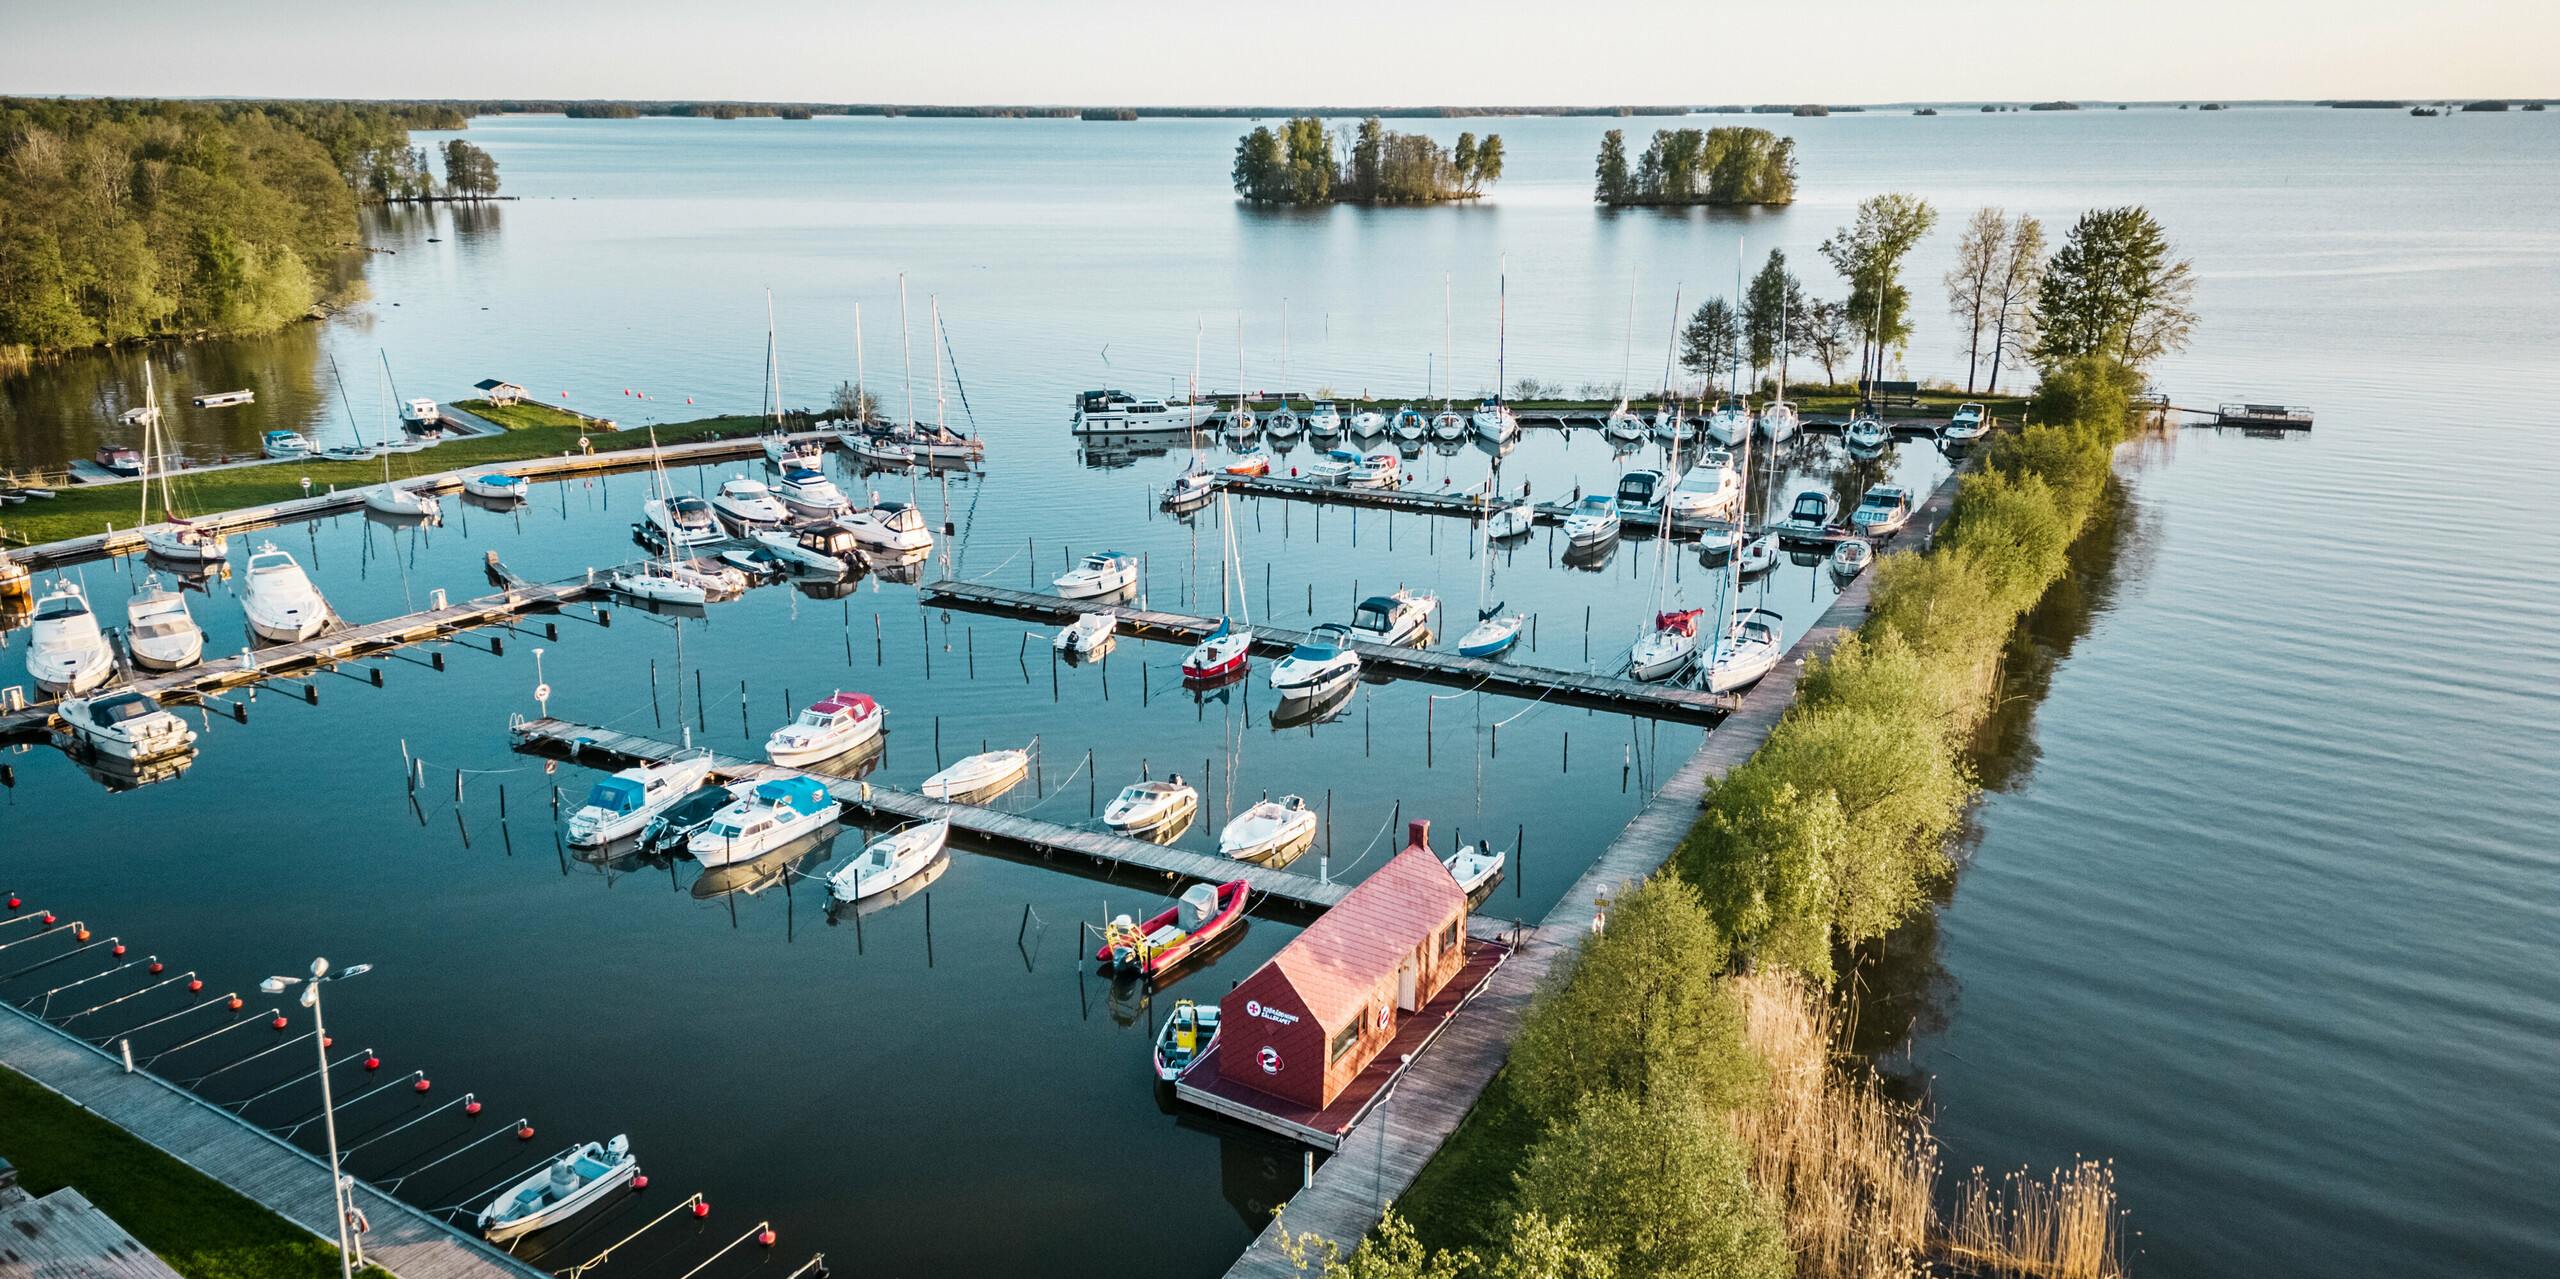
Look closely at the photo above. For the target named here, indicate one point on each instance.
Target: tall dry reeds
(2064, 1227)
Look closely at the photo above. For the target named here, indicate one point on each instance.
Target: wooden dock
(1442, 1085)
(260, 1165)
(1074, 849)
(1511, 679)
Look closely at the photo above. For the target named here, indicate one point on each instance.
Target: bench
(1904, 395)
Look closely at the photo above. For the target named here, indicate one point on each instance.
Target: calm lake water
(2260, 909)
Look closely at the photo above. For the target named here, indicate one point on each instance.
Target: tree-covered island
(1298, 165)
(1729, 165)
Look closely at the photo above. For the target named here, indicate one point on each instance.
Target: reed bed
(2063, 1227)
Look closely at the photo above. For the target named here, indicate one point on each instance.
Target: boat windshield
(1314, 653)
(118, 710)
(60, 606)
(1138, 794)
(1595, 505)
(1704, 479)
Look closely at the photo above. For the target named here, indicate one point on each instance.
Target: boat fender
(640, 1182)
(525, 1133)
(702, 1207)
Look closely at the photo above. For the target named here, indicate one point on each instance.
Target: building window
(1449, 939)
(1344, 1038)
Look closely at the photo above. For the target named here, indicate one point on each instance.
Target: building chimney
(1418, 834)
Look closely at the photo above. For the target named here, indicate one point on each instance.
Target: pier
(1476, 506)
(1566, 688)
(1069, 848)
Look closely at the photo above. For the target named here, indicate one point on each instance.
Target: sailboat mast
(935, 301)
(861, 415)
(1627, 363)
(150, 429)
(772, 363)
(906, 348)
(1502, 332)
(1284, 353)
(1741, 305)
(1448, 335)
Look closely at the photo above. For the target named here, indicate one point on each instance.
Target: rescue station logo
(1270, 1059)
(1256, 1008)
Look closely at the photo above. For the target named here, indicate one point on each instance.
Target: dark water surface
(2261, 907)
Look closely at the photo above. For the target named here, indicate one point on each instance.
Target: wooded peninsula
(1297, 165)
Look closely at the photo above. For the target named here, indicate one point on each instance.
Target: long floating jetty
(1068, 846)
(1475, 506)
(1568, 688)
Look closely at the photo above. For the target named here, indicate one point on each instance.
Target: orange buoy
(525, 1133)
(119, 949)
(702, 1208)
(328, 1041)
(156, 965)
(195, 983)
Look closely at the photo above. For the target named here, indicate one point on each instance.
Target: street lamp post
(341, 1195)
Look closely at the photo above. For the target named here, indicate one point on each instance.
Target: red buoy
(13, 897)
(766, 1238)
(471, 1107)
(640, 1183)
(373, 1063)
(80, 934)
(420, 1086)
(328, 1040)
(702, 1208)
(525, 1133)
(195, 984)
(156, 965)
(119, 949)
(48, 919)
(279, 1021)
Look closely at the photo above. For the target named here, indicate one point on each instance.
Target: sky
(1304, 53)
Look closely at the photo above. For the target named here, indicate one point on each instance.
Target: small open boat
(1851, 556)
(1172, 935)
(1225, 651)
(1089, 634)
(829, 728)
(569, 1186)
(891, 861)
(1378, 470)
(1475, 868)
(1145, 806)
(668, 831)
(979, 777)
(1187, 1034)
(1270, 831)
(496, 487)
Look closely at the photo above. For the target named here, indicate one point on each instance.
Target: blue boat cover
(617, 795)
(800, 794)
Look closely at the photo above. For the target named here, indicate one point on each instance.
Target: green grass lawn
(521, 415)
(202, 1228)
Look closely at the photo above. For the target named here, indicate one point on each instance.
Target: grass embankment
(521, 415)
(1643, 1089)
(202, 1228)
(86, 509)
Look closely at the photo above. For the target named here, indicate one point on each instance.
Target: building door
(1404, 987)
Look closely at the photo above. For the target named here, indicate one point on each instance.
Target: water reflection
(799, 859)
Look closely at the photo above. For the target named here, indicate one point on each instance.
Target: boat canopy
(1318, 652)
(800, 475)
(859, 704)
(801, 794)
(111, 711)
(617, 795)
(60, 606)
(1703, 478)
(1684, 622)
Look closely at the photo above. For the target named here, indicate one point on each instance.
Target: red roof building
(1305, 1024)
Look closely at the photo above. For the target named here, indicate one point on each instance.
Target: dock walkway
(284, 1178)
(1441, 1086)
(1569, 688)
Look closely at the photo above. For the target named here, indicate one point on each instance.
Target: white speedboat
(1591, 521)
(1759, 556)
(1090, 634)
(654, 582)
(1730, 424)
(1334, 467)
(786, 453)
(1369, 422)
(127, 726)
(810, 492)
(1494, 420)
(569, 1186)
(1146, 806)
(1711, 490)
(1102, 573)
(1514, 520)
(1187, 1033)
(891, 860)
(1850, 556)
(979, 776)
(1751, 649)
(680, 522)
(1642, 489)
(1401, 618)
(1623, 424)
(778, 811)
(1475, 868)
(1379, 470)
(498, 487)
(1323, 419)
(1967, 424)
(279, 599)
(748, 505)
(895, 527)
(828, 728)
(1779, 421)
(1318, 667)
(284, 444)
(184, 543)
(1866, 433)
(1811, 511)
(1221, 653)
(158, 629)
(1668, 648)
(624, 803)
(795, 548)
(1272, 830)
(400, 500)
(1882, 512)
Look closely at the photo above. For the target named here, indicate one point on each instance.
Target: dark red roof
(1338, 962)
(859, 703)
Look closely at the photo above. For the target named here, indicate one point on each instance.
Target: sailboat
(387, 497)
(1284, 420)
(1778, 419)
(1196, 482)
(159, 630)
(1227, 650)
(672, 523)
(175, 539)
(1671, 645)
(1494, 630)
(1494, 419)
(1747, 643)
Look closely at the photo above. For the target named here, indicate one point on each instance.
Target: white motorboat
(626, 802)
(1323, 418)
(66, 653)
(1147, 806)
(895, 527)
(673, 524)
(1494, 420)
(880, 451)
(1514, 520)
(279, 599)
(159, 631)
(284, 444)
(778, 811)
(1865, 433)
(1316, 668)
(654, 582)
(1369, 422)
(1223, 652)
(1642, 489)
(1187, 1033)
(1759, 556)
(1623, 424)
(1711, 490)
(810, 492)
(1401, 618)
(1779, 421)
(748, 505)
(668, 831)
(1491, 635)
(1750, 649)
(1851, 556)
(794, 548)
(399, 500)
(979, 776)
(786, 453)
(497, 487)
(1668, 648)
(1672, 424)
(1334, 467)
(182, 542)
(1882, 512)
(713, 577)
(828, 728)
(1090, 634)
(891, 860)
(1591, 521)
(1116, 413)
(1967, 424)
(1475, 868)
(1811, 511)
(1273, 830)
(569, 1186)
(1730, 424)
(126, 726)
(1102, 573)
(1379, 470)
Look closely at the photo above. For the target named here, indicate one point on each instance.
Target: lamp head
(355, 970)
(319, 968)
(277, 985)
(311, 995)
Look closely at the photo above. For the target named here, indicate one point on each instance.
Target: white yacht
(1967, 424)
(284, 445)
(1370, 422)
(279, 599)
(1711, 490)
(1320, 666)
(1334, 467)
(127, 726)
(624, 803)
(828, 728)
(748, 505)
(1323, 418)
(1401, 618)
(798, 548)
(1779, 421)
(890, 861)
(1379, 470)
(158, 629)
(1148, 806)
(679, 522)
(1269, 831)
(1751, 647)
(1672, 424)
(895, 527)
(1089, 635)
(1117, 413)
(778, 811)
(786, 453)
(66, 653)
(809, 492)
(1591, 521)
(1102, 573)
(1882, 512)
(1811, 511)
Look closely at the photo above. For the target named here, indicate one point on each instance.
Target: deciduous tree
(1868, 254)
(2013, 330)
(2115, 290)
(1707, 342)
(1973, 286)
(1659, 1188)
(1613, 184)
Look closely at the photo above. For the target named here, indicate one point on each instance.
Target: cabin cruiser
(182, 542)
(786, 453)
(1671, 424)
(1188, 1031)
(1334, 467)
(1865, 432)
(1752, 647)
(1379, 470)
(66, 652)
(668, 831)
(1369, 422)
(679, 522)
(159, 630)
(1852, 555)
(1221, 653)
(285, 444)
(420, 417)
(1475, 868)
(1779, 421)
(1089, 635)
(1711, 490)
(1591, 521)
(1115, 412)
(810, 492)
(815, 550)
(120, 460)
(748, 505)
(1668, 648)
(126, 726)
(1323, 418)
(1623, 424)
(778, 811)
(1730, 424)
(1882, 512)
(1495, 421)
(1967, 424)
(625, 803)
(891, 860)
(1102, 573)
(496, 487)
(1396, 619)
(1513, 520)
(1269, 831)
(979, 777)
(1311, 670)
(829, 728)
(1811, 512)
(1147, 806)
(279, 599)
(401, 500)
(895, 527)
(1640, 490)
(567, 1187)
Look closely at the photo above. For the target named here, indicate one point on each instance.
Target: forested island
(1297, 165)
(1729, 165)
(132, 219)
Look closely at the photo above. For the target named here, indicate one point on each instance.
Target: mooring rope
(394, 1184)
(579, 1271)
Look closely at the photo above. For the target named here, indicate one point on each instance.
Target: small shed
(497, 392)
(1306, 1023)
